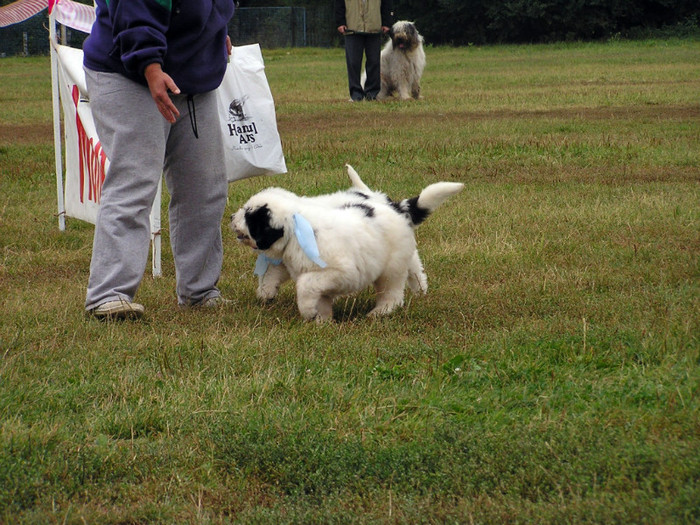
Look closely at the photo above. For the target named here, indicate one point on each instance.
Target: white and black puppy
(402, 62)
(273, 273)
(338, 244)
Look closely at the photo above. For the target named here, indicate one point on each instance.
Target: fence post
(303, 18)
(292, 26)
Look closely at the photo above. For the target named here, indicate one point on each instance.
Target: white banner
(86, 161)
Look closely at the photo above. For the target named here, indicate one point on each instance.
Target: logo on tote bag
(246, 133)
(252, 144)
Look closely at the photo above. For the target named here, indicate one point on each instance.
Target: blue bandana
(306, 239)
(263, 262)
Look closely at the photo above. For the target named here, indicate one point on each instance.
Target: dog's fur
(359, 195)
(402, 62)
(364, 238)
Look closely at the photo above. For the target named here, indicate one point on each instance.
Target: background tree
(462, 22)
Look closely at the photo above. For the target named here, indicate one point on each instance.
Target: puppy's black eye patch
(260, 227)
(368, 210)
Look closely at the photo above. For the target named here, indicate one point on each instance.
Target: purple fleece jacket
(187, 37)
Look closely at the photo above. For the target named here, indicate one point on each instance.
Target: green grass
(551, 374)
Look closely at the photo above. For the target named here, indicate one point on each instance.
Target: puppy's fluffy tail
(355, 179)
(418, 208)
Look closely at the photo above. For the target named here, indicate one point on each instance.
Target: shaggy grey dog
(402, 62)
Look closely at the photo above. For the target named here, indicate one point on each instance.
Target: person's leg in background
(354, 49)
(373, 50)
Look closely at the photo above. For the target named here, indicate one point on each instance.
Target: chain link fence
(284, 27)
(30, 37)
(272, 27)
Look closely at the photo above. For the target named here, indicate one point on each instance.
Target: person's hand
(229, 45)
(342, 29)
(159, 83)
(386, 29)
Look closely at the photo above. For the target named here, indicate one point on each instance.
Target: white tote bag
(252, 143)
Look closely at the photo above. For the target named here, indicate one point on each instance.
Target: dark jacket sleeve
(340, 13)
(387, 13)
(139, 30)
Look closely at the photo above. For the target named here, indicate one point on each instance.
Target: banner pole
(155, 232)
(57, 146)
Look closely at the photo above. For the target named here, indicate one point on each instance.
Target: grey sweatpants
(141, 146)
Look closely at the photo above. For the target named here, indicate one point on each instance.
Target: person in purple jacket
(152, 68)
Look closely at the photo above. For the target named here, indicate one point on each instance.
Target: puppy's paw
(383, 309)
(269, 283)
(316, 308)
(317, 316)
(266, 294)
(418, 283)
(321, 319)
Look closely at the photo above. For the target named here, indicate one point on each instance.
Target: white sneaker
(119, 309)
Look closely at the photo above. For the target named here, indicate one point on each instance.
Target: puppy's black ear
(258, 222)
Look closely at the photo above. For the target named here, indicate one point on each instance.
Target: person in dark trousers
(152, 68)
(363, 22)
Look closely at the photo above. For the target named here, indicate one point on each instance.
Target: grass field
(551, 374)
